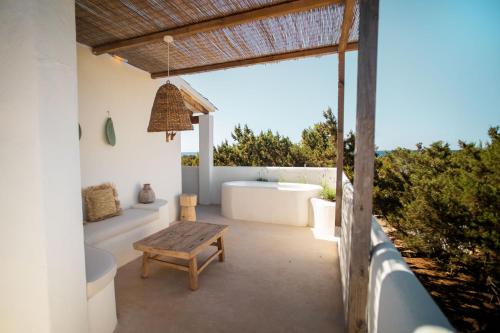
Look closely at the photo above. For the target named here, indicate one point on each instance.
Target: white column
(206, 147)
(43, 285)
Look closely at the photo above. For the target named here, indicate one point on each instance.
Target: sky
(438, 79)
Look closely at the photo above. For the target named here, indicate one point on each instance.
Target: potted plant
(323, 210)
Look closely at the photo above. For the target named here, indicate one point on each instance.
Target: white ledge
(152, 206)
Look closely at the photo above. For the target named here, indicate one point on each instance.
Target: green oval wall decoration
(110, 132)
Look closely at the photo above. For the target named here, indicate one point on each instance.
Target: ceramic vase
(147, 195)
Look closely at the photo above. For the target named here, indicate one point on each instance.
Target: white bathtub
(270, 202)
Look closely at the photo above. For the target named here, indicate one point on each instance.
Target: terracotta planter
(147, 195)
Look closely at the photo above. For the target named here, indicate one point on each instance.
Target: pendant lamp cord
(168, 61)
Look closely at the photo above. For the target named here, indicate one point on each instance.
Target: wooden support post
(340, 141)
(363, 168)
(195, 120)
(347, 20)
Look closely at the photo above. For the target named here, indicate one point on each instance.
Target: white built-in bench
(117, 234)
(100, 269)
(108, 245)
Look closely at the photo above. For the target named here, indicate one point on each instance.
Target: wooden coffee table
(182, 241)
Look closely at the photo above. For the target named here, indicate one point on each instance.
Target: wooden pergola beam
(360, 243)
(217, 23)
(258, 60)
(347, 20)
(193, 104)
(195, 120)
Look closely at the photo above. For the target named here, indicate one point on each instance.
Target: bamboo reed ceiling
(101, 24)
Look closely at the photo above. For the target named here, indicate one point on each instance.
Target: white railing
(345, 240)
(397, 301)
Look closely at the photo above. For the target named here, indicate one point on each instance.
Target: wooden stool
(188, 204)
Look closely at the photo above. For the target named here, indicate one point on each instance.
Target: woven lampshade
(169, 113)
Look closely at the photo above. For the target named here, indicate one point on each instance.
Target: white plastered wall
(219, 175)
(43, 287)
(106, 84)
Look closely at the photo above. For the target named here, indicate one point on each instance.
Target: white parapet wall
(190, 179)
(221, 175)
(397, 301)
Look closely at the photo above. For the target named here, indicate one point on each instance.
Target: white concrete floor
(275, 279)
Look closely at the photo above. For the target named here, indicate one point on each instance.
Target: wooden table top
(181, 240)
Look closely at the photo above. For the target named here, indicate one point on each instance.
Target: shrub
(445, 204)
(190, 160)
(327, 193)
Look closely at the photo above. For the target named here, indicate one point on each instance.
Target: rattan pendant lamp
(169, 113)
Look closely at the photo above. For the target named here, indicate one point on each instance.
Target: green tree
(190, 160)
(349, 145)
(445, 204)
(317, 147)
(264, 149)
(318, 143)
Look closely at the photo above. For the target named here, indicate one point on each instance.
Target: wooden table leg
(220, 246)
(193, 273)
(145, 265)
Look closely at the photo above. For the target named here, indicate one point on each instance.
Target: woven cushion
(101, 202)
